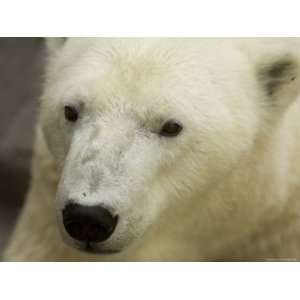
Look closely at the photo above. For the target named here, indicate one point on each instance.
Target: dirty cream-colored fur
(248, 211)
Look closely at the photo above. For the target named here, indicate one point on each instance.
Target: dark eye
(170, 129)
(71, 113)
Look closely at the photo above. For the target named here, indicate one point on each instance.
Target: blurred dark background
(21, 69)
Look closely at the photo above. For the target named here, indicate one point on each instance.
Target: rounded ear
(54, 44)
(280, 79)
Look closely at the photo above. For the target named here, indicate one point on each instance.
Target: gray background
(21, 68)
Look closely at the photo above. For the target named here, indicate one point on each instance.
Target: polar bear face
(139, 127)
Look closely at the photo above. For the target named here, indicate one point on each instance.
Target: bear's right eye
(71, 113)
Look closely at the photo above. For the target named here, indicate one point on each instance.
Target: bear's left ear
(280, 79)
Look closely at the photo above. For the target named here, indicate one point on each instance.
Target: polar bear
(165, 150)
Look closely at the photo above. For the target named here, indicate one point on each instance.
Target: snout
(88, 224)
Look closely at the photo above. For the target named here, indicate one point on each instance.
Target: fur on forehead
(141, 59)
(147, 69)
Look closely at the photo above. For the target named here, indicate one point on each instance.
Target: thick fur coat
(225, 188)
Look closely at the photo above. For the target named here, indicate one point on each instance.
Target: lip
(93, 248)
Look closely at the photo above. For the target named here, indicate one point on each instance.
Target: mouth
(93, 248)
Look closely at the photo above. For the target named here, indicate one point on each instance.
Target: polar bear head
(138, 127)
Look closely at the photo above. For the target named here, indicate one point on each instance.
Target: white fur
(225, 188)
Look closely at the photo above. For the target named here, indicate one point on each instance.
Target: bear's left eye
(171, 129)
(71, 113)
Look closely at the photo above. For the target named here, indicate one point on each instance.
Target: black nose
(88, 223)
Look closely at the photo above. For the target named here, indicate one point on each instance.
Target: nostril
(88, 223)
(75, 230)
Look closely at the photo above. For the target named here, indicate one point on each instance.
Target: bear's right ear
(54, 44)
